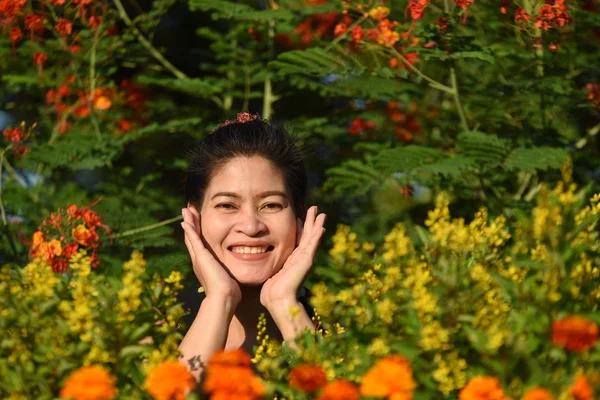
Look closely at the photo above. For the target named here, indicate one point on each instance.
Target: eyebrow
(260, 196)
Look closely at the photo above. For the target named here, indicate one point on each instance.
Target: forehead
(247, 175)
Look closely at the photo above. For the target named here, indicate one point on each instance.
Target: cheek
(215, 231)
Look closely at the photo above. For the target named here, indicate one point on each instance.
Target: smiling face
(248, 219)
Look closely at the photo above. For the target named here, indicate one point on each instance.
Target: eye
(226, 206)
(272, 207)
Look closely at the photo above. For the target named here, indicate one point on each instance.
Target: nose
(250, 223)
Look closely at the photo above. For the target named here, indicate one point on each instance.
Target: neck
(249, 308)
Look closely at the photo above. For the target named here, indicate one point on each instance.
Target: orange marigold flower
(170, 380)
(581, 389)
(574, 333)
(538, 393)
(236, 358)
(232, 382)
(84, 236)
(379, 13)
(482, 388)
(89, 383)
(307, 377)
(339, 390)
(389, 376)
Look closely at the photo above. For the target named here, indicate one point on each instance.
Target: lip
(250, 257)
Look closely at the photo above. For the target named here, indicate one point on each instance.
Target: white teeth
(248, 250)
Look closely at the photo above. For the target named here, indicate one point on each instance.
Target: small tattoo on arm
(195, 363)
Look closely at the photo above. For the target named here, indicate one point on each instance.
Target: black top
(191, 300)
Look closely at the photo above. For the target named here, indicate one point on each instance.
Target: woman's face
(247, 219)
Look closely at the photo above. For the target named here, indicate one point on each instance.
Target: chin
(248, 276)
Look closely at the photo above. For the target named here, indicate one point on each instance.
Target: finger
(193, 237)
(196, 220)
(318, 231)
(310, 219)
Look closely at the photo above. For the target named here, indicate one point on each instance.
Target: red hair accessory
(241, 118)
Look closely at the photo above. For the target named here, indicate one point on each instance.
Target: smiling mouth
(250, 249)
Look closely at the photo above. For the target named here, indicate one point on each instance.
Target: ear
(299, 230)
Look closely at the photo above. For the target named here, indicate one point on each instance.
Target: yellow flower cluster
(457, 236)
(397, 244)
(451, 371)
(492, 312)
(80, 312)
(345, 245)
(39, 279)
(129, 295)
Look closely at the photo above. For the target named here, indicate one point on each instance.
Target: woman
(249, 248)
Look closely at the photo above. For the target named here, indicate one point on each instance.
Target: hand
(284, 285)
(213, 277)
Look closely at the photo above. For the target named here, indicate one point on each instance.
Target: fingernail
(182, 226)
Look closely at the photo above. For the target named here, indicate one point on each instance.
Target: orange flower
(90, 218)
(229, 375)
(574, 333)
(237, 358)
(581, 389)
(308, 378)
(38, 238)
(538, 393)
(73, 211)
(89, 383)
(50, 249)
(170, 380)
(102, 103)
(339, 390)
(379, 13)
(390, 376)
(85, 237)
(482, 388)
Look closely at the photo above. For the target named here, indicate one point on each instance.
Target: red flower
(91, 219)
(34, 22)
(123, 125)
(74, 49)
(357, 33)
(340, 29)
(64, 27)
(13, 134)
(15, 35)
(39, 59)
(308, 378)
(95, 21)
(574, 333)
(70, 250)
(11, 8)
(59, 265)
(442, 24)
(73, 211)
(464, 4)
(521, 16)
(417, 8)
(57, 2)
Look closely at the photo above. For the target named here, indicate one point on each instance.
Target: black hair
(246, 139)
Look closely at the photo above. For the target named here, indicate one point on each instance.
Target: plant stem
(456, 95)
(268, 98)
(2, 211)
(93, 85)
(432, 82)
(155, 53)
(146, 228)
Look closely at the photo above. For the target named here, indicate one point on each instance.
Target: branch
(146, 228)
(155, 53)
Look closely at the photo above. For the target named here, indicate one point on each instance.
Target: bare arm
(207, 334)
(291, 318)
